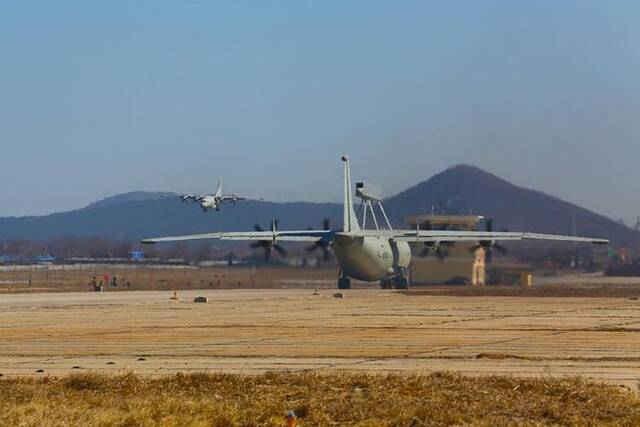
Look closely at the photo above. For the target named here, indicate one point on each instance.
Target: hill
(466, 189)
(135, 219)
(460, 189)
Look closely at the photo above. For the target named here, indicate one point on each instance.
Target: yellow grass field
(316, 398)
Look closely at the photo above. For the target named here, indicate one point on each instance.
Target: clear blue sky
(99, 98)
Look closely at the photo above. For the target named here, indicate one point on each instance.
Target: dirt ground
(253, 331)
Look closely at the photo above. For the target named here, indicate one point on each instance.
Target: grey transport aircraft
(379, 253)
(212, 201)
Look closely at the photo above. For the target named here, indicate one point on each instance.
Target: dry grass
(318, 399)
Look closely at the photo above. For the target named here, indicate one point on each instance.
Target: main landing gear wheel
(395, 282)
(386, 283)
(401, 282)
(344, 283)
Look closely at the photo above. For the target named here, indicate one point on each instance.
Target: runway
(252, 331)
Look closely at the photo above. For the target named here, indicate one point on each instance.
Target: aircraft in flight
(212, 201)
(378, 253)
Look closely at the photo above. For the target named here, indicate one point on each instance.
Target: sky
(102, 98)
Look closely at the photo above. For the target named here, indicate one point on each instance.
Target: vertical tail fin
(219, 190)
(350, 221)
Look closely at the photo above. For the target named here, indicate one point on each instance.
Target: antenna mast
(370, 199)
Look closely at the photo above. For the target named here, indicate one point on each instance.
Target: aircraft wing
(560, 238)
(399, 235)
(471, 236)
(191, 197)
(281, 236)
(181, 238)
(233, 198)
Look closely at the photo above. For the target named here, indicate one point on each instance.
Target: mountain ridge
(468, 189)
(460, 189)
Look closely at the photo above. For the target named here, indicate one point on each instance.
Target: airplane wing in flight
(191, 197)
(232, 198)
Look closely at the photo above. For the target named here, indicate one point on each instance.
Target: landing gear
(386, 283)
(344, 282)
(402, 279)
(399, 281)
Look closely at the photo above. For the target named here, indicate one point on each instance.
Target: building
(462, 263)
(511, 274)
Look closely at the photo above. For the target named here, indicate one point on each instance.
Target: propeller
(434, 247)
(323, 244)
(437, 249)
(268, 245)
(489, 245)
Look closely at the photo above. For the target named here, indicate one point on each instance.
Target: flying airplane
(212, 201)
(378, 253)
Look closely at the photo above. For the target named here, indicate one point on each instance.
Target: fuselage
(210, 202)
(370, 258)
